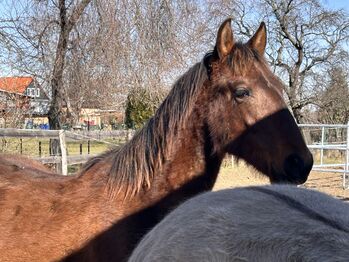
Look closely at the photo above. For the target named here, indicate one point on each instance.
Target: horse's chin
(281, 178)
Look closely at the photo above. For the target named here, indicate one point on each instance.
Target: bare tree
(13, 110)
(36, 38)
(66, 24)
(125, 43)
(129, 46)
(333, 100)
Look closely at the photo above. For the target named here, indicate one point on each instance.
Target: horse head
(247, 115)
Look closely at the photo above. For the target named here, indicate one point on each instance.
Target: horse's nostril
(296, 161)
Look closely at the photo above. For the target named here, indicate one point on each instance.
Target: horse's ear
(225, 41)
(259, 40)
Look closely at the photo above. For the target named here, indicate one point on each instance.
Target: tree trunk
(298, 115)
(56, 108)
(66, 25)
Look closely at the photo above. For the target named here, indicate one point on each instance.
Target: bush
(139, 108)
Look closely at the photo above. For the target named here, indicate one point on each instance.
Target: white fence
(326, 138)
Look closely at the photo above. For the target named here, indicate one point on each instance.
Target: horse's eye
(241, 93)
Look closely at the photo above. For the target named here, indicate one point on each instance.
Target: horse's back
(41, 213)
(271, 223)
(13, 164)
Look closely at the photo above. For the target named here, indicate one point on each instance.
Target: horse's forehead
(251, 70)
(260, 75)
(238, 72)
(272, 81)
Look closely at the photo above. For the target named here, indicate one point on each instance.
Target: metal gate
(323, 139)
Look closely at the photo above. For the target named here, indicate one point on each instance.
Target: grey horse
(269, 223)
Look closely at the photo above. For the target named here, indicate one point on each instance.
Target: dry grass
(238, 175)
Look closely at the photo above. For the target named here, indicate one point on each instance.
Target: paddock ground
(237, 175)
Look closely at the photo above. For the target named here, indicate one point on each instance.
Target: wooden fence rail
(13, 132)
(62, 161)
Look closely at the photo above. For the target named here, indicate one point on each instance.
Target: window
(33, 92)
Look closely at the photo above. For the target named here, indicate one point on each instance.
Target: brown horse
(229, 103)
(13, 163)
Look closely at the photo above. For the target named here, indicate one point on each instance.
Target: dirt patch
(330, 183)
(238, 175)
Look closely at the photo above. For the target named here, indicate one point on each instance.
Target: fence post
(40, 152)
(21, 146)
(64, 167)
(322, 145)
(346, 168)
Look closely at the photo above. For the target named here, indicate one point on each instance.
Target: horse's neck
(191, 168)
(188, 168)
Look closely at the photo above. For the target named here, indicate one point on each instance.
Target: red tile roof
(15, 84)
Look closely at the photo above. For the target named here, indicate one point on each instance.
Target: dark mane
(134, 163)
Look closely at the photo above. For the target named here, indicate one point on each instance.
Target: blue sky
(335, 4)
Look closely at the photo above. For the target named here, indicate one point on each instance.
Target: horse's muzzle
(295, 170)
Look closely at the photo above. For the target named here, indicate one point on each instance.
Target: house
(20, 98)
(101, 114)
(24, 101)
(28, 89)
(92, 118)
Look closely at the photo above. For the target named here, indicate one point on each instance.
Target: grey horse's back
(269, 223)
